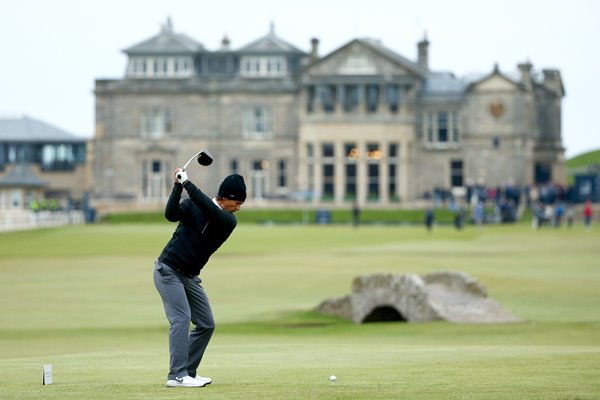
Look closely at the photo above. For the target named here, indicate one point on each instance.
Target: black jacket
(203, 227)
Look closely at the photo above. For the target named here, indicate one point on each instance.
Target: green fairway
(83, 300)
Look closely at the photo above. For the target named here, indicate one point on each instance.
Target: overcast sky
(53, 50)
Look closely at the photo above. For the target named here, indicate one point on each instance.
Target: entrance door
(542, 173)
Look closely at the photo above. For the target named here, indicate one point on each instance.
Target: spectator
(558, 215)
(459, 215)
(429, 217)
(587, 214)
(355, 215)
(479, 214)
(570, 216)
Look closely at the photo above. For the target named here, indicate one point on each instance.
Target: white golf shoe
(186, 381)
(206, 380)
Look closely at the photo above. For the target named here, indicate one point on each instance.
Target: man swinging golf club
(204, 225)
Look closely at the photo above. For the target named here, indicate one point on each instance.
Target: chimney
(526, 78)
(168, 26)
(314, 53)
(553, 81)
(225, 43)
(423, 53)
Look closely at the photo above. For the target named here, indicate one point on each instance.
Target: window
(263, 66)
(311, 177)
(159, 67)
(155, 179)
(328, 181)
(309, 151)
(456, 173)
(374, 152)
(260, 165)
(2, 156)
(259, 178)
(257, 123)
(12, 153)
(429, 127)
(328, 150)
(233, 166)
(393, 171)
(328, 98)
(351, 151)
(496, 143)
(392, 188)
(350, 181)
(58, 157)
(455, 125)
(392, 94)
(350, 97)
(372, 98)
(281, 174)
(156, 122)
(441, 128)
(310, 103)
(373, 182)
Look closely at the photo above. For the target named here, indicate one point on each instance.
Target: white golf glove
(182, 176)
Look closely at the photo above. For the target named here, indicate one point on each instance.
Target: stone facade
(361, 124)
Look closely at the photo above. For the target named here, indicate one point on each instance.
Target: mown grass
(584, 160)
(300, 215)
(82, 299)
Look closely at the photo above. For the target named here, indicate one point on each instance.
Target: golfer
(204, 225)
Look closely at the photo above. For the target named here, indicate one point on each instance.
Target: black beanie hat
(233, 188)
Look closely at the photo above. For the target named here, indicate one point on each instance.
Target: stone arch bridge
(451, 296)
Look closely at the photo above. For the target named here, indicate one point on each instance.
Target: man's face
(230, 205)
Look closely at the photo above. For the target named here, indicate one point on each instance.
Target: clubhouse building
(362, 124)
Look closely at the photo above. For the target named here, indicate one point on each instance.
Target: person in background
(429, 218)
(587, 214)
(355, 215)
(570, 214)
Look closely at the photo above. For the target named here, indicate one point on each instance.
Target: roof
(166, 42)
(391, 54)
(21, 176)
(376, 46)
(443, 82)
(271, 43)
(474, 81)
(26, 129)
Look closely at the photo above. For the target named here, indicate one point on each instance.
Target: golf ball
(332, 378)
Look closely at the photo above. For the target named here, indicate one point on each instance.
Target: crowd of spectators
(551, 204)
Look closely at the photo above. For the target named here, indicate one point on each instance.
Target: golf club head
(205, 158)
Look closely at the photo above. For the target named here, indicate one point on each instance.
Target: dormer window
(160, 67)
(263, 66)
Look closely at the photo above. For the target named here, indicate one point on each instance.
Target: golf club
(203, 157)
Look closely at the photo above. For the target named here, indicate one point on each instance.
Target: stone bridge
(451, 296)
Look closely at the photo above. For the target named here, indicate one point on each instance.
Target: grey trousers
(185, 301)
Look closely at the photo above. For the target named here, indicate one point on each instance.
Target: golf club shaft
(190, 160)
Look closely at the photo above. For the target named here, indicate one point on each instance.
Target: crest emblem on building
(497, 109)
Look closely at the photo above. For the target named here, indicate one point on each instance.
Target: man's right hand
(181, 175)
